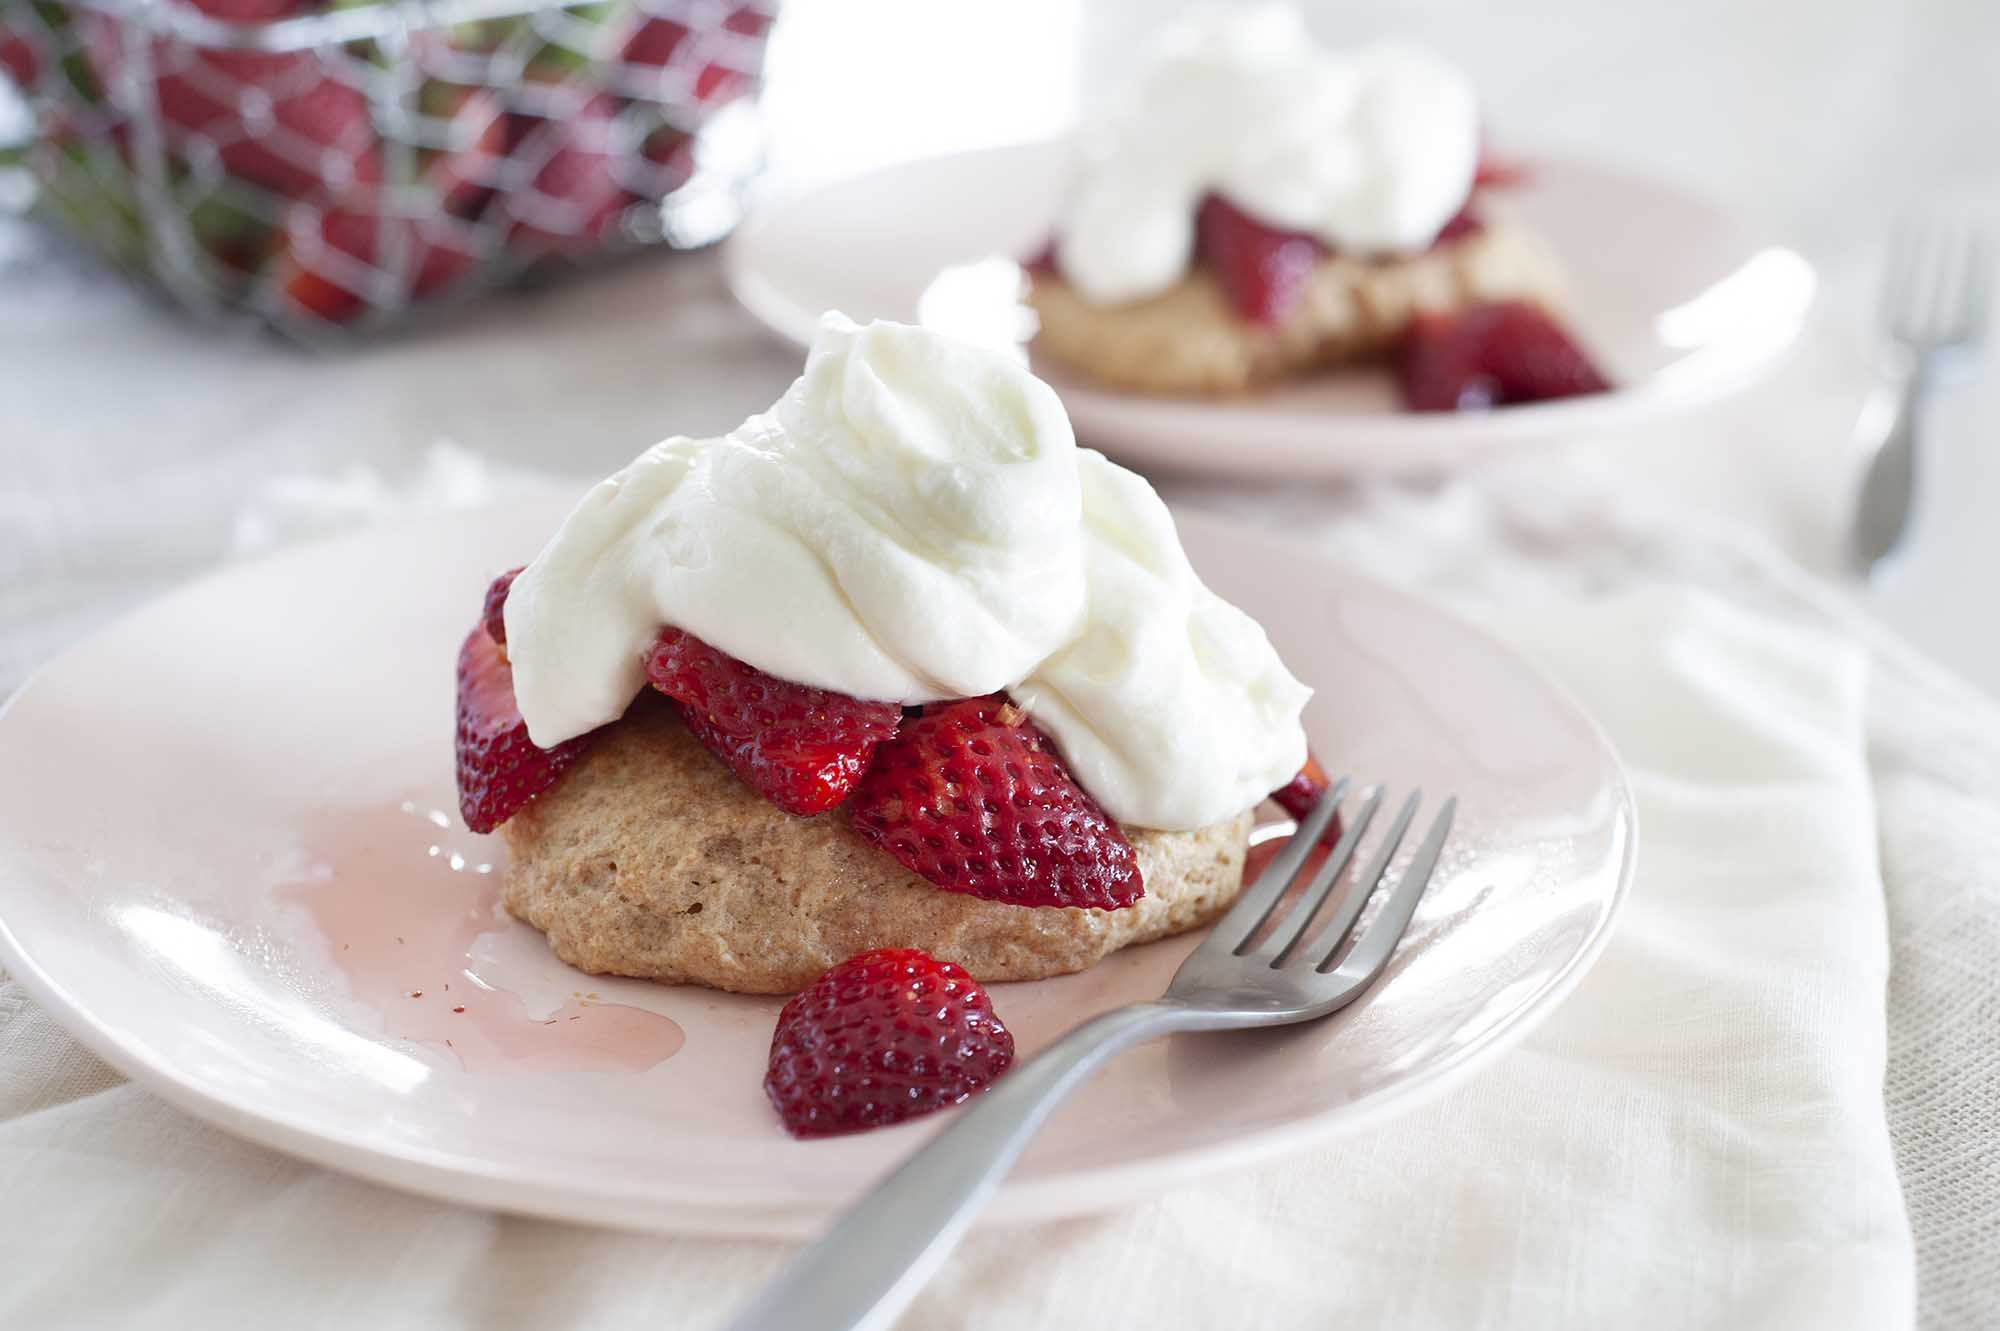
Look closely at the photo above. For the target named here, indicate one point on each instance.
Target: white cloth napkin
(1695, 1139)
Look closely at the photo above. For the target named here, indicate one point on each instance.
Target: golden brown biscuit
(1188, 340)
(650, 859)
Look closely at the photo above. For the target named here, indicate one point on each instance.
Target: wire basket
(332, 169)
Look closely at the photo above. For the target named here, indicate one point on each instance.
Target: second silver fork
(1260, 965)
(1934, 300)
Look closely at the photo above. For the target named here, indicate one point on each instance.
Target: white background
(129, 438)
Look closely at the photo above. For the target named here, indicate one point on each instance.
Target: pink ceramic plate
(229, 862)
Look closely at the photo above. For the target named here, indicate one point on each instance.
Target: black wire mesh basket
(330, 165)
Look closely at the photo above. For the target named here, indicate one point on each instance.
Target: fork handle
(1889, 428)
(876, 1257)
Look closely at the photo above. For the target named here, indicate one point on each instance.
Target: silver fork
(1259, 966)
(1934, 309)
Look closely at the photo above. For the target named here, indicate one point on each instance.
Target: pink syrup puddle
(404, 897)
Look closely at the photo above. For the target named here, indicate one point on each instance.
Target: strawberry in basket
(20, 59)
(279, 120)
(574, 199)
(474, 122)
(533, 134)
(668, 153)
(655, 42)
(339, 256)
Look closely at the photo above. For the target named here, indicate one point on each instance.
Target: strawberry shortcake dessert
(893, 665)
(1255, 208)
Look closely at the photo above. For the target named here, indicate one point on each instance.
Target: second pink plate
(1682, 300)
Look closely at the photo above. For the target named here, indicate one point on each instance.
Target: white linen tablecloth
(1718, 1156)
(1697, 1138)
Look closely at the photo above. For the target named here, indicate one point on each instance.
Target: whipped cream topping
(913, 521)
(1372, 150)
(1171, 707)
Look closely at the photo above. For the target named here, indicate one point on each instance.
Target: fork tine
(1256, 902)
(1929, 281)
(1947, 284)
(1935, 283)
(1899, 275)
(1973, 296)
(1920, 254)
(1372, 952)
(1328, 878)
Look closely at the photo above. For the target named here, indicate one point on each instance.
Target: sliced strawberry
(1499, 172)
(499, 767)
(1297, 798)
(1532, 358)
(1042, 263)
(1491, 356)
(1298, 795)
(882, 1037)
(1440, 368)
(495, 617)
(973, 798)
(1463, 223)
(800, 747)
(1262, 269)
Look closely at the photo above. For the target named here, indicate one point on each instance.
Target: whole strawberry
(20, 59)
(882, 1037)
(800, 747)
(333, 259)
(310, 129)
(972, 797)
(575, 199)
(653, 42)
(473, 121)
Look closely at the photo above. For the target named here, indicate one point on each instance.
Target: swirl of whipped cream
(902, 525)
(1171, 704)
(913, 521)
(1372, 150)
